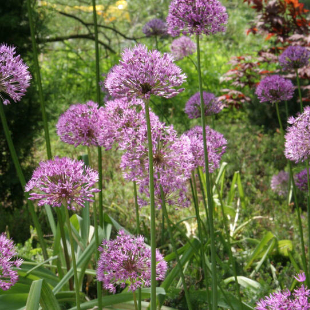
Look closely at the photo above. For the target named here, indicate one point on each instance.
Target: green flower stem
(299, 91)
(202, 253)
(187, 297)
(286, 109)
(209, 194)
(77, 292)
(156, 43)
(99, 287)
(64, 242)
(135, 300)
(138, 232)
(152, 206)
(39, 82)
(231, 257)
(22, 180)
(200, 176)
(99, 102)
(303, 256)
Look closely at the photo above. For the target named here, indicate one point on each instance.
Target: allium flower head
(172, 163)
(212, 105)
(127, 259)
(279, 183)
(196, 17)
(62, 181)
(294, 57)
(14, 75)
(142, 73)
(298, 300)
(274, 88)
(182, 47)
(8, 277)
(80, 124)
(155, 27)
(301, 180)
(216, 146)
(297, 138)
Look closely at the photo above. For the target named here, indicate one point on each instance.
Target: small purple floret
(196, 17)
(212, 105)
(79, 125)
(155, 27)
(127, 260)
(14, 75)
(142, 73)
(301, 180)
(182, 47)
(298, 300)
(297, 147)
(279, 183)
(8, 277)
(294, 57)
(62, 181)
(274, 88)
(216, 146)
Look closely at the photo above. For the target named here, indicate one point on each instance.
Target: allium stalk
(208, 185)
(8, 276)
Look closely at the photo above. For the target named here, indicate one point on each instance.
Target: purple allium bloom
(142, 73)
(155, 27)
(120, 121)
(301, 180)
(14, 75)
(182, 47)
(107, 95)
(196, 17)
(62, 181)
(216, 146)
(279, 183)
(127, 260)
(298, 300)
(274, 88)
(297, 146)
(172, 161)
(294, 57)
(8, 277)
(212, 105)
(80, 124)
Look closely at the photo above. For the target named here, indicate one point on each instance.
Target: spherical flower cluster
(8, 277)
(121, 120)
(212, 105)
(196, 17)
(62, 181)
(301, 180)
(216, 146)
(142, 73)
(274, 88)
(14, 75)
(155, 27)
(172, 162)
(80, 124)
(182, 47)
(297, 300)
(297, 146)
(279, 183)
(294, 57)
(127, 259)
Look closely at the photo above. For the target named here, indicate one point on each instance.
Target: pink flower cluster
(62, 181)
(182, 47)
(14, 75)
(127, 260)
(279, 183)
(8, 276)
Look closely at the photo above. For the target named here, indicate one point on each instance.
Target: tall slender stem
(39, 82)
(138, 232)
(279, 118)
(22, 180)
(76, 284)
(209, 195)
(152, 206)
(135, 300)
(299, 91)
(189, 305)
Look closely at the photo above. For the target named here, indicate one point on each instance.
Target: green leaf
(13, 301)
(285, 246)
(33, 300)
(245, 282)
